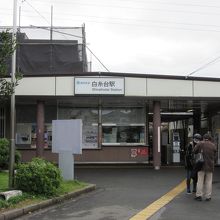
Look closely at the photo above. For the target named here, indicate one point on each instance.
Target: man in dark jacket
(191, 174)
(206, 173)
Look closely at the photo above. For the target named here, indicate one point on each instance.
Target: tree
(4, 154)
(7, 47)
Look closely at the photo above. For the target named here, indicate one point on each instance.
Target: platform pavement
(123, 192)
(184, 207)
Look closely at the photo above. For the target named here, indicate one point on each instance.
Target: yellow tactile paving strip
(158, 204)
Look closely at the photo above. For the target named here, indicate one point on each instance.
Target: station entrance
(120, 130)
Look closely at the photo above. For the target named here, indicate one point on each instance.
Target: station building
(127, 118)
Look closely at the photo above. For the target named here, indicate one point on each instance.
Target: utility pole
(13, 70)
(51, 23)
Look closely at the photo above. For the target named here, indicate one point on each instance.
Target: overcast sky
(174, 37)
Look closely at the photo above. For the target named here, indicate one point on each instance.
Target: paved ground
(122, 193)
(184, 207)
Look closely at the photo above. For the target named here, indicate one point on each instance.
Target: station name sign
(99, 86)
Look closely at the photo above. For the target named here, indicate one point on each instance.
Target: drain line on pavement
(158, 204)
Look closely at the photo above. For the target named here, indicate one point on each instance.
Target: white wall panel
(135, 86)
(169, 87)
(151, 87)
(36, 86)
(65, 86)
(206, 89)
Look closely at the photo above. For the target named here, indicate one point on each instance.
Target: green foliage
(7, 47)
(16, 199)
(4, 154)
(6, 50)
(4, 204)
(11, 202)
(38, 177)
(3, 181)
(30, 198)
(70, 185)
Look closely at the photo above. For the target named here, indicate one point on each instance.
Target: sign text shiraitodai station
(99, 86)
(126, 118)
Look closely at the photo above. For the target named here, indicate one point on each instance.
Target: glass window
(23, 133)
(26, 135)
(123, 134)
(26, 125)
(123, 126)
(89, 118)
(123, 116)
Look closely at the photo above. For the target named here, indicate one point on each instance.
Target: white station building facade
(127, 118)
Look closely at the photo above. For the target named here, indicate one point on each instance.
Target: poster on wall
(47, 135)
(33, 136)
(90, 134)
(26, 134)
(23, 133)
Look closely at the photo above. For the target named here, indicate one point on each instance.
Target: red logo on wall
(138, 152)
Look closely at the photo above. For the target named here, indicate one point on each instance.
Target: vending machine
(176, 147)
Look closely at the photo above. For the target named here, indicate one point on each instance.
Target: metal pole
(84, 60)
(19, 17)
(12, 147)
(156, 136)
(40, 129)
(51, 38)
(51, 23)
(100, 124)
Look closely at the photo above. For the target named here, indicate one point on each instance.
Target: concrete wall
(206, 89)
(40, 86)
(169, 87)
(135, 87)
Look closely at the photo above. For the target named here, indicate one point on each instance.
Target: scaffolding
(50, 51)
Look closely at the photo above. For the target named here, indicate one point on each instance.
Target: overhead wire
(141, 1)
(84, 45)
(127, 7)
(132, 19)
(56, 31)
(35, 10)
(191, 73)
(67, 34)
(64, 33)
(203, 66)
(138, 20)
(97, 58)
(171, 3)
(147, 25)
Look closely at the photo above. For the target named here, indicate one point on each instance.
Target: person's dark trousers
(188, 185)
(195, 178)
(191, 175)
(188, 180)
